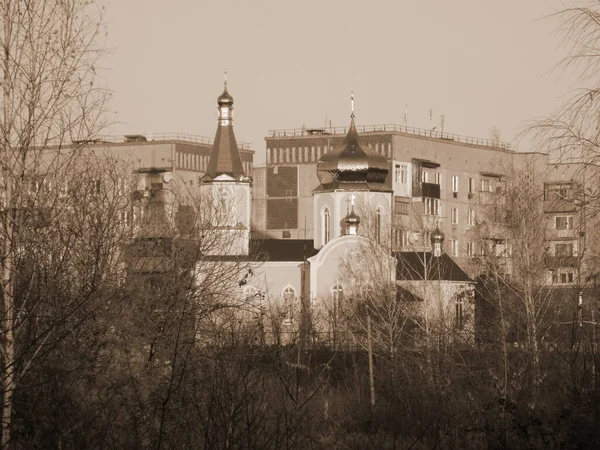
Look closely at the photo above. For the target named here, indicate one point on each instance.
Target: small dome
(437, 236)
(225, 98)
(351, 163)
(352, 218)
(351, 222)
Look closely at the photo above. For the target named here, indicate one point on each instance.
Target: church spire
(225, 157)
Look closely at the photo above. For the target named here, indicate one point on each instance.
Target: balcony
(555, 262)
(554, 234)
(559, 205)
(431, 190)
(487, 198)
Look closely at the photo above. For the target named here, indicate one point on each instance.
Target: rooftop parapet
(161, 137)
(392, 128)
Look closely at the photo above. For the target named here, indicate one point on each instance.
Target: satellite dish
(167, 177)
(412, 238)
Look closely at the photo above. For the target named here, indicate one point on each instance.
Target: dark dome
(225, 98)
(351, 163)
(352, 218)
(437, 236)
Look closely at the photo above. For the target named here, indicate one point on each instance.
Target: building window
(454, 183)
(487, 185)
(400, 206)
(563, 250)
(471, 185)
(326, 226)
(563, 222)
(453, 247)
(563, 277)
(124, 218)
(424, 176)
(459, 313)
(378, 225)
(438, 178)
(563, 191)
(427, 239)
(471, 218)
(470, 249)
(454, 216)
(401, 174)
(431, 206)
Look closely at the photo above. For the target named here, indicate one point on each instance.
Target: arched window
(459, 313)
(289, 297)
(337, 293)
(378, 225)
(326, 226)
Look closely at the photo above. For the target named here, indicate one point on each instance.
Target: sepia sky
(480, 63)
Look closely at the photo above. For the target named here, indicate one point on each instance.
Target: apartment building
(437, 179)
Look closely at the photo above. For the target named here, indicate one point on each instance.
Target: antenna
(406, 114)
(352, 103)
(225, 78)
(442, 122)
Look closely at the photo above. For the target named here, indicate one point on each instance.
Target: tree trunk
(371, 376)
(8, 342)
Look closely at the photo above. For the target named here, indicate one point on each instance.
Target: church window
(289, 296)
(326, 226)
(378, 225)
(459, 313)
(337, 293)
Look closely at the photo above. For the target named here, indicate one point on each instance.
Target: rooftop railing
(292, 132)
(133, 138)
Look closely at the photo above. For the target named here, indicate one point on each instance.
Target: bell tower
(226, 186)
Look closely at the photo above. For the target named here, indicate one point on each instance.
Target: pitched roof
(282, 249)
(225, 157)
(404, 295)
(416, 266)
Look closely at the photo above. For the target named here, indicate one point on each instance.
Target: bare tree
(572, 132)
(49, 52)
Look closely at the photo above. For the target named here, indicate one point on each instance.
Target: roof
(404, 295)
(282, 249)
(417, 266)
(225, 157)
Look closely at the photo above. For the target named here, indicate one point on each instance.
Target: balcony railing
(559, 205)
(431, 190)
(292, 132)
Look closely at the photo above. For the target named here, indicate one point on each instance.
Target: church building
(307, 283)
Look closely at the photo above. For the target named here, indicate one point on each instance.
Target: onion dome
(225, 99)
(352, 167)
(437, 241)
(352, 221)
